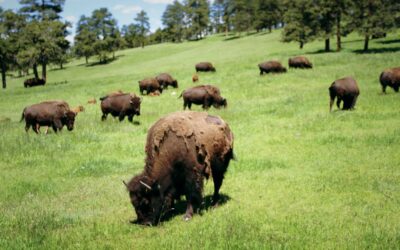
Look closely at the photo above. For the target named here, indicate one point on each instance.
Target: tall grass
(305, 178)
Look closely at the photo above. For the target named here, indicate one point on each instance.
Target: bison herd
(182, 148)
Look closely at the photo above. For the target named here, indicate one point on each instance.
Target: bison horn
(144, 184)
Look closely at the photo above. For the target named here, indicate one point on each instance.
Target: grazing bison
(150, 85)
(165, 80)
(92, 101)
(182, 148)
(206, 95)
(391, 78)
(121, 105)
(51, 113)
(271, 66)
(195, 78)
(34, 82)
(345, 89)
(300, 62)
(204, 67)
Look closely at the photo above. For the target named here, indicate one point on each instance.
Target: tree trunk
(270, 28)
(35, 72)
(87, 59)
(61, 66)
(3, 74)
(301, 45)
(44, 66)
(338, 35)
(327, 45)
(366, 41)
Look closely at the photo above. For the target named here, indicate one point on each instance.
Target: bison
(182, 148)
(300, 62)
(271, 66)
(204, 67)
(195, 78)
(165, 80)
(150, 85)
(120, 105)
(391, 78)
(345, 89)
(51, 113)
(205, 95)
(34, 82)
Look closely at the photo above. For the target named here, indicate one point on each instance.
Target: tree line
(34, 36)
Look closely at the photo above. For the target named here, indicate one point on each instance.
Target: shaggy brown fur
(300, 62)
(205, 67)
(121, 105)
(182, 148)
(345, 89)
(92, 101)
(391, 78)
(50, 113)
(150, 85)
(165, 80)
(271, 67)
(195, 78)
(78, 109)
(205, 95)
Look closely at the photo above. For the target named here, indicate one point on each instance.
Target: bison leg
(130, 118)
(27, 126)
(396, 88)
(104, 116)
(339, 100)
(331, 104)
(193, 190)
(384, 89)
(353, 103)
(261, 72)
(121, 116)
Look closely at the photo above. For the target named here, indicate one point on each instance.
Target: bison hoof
(187, 217)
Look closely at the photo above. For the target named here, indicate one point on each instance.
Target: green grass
(305, 178)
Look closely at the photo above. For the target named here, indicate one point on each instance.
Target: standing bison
(204, 67)
(391, 78)
(150, 85)
(300, 62)
(205, 95)
(165, 80)
(120, 105)
(345, 89)
(182, 148)
(53, 114)
(271, 67)
(34, 82)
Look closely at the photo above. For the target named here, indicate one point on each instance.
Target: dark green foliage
(242, 14)
(301, 19)
(173, 20)
(143, 25)
(42, 9)
(197, 17)
(84, 39)
(268, 14)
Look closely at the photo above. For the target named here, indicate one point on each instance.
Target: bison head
(69, 119)
(146, 199)
(174, 83)
(135, 104)
(213, 69)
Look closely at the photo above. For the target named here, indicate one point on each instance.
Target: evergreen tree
(301, 22)
(217, 15)
(42, 9)
(173, 19)
(142, 21)
(268, 14)
(84, 39)
(197, 18)
(372, 17)
(242, 14)
(131, 35)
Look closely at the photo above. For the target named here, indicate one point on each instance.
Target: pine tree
(84, 39)
(42, 9)
(242, 13)
(301, 22)
(372, 17)
(173, 19)
(197, 18)
(217, 14)
(142, 21)
(268, 14)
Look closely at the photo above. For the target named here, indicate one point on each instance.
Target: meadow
(304, 177)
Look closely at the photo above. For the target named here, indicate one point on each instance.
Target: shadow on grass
(377, 50)
(390, 41)
(180, 208)
(58, 69)
(108, 61)
(321, 51)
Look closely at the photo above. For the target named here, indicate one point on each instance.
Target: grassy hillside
(305, 178)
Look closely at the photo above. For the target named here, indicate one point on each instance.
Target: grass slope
(305, 178)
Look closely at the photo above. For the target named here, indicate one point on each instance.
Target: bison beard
(182, 148)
